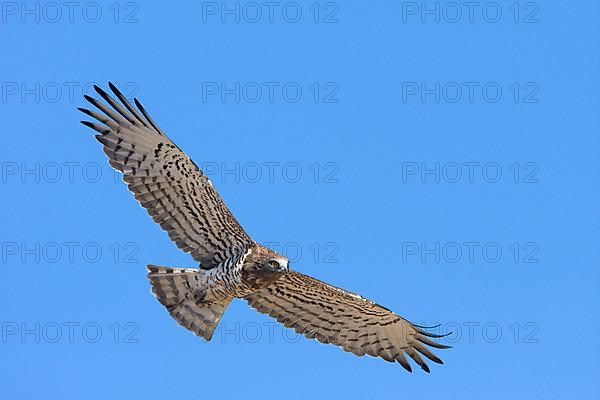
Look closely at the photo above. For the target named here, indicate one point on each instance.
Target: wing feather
(170, 186)
(332, 315)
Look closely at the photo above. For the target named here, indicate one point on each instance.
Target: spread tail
(175, 289)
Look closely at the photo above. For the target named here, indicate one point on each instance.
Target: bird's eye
(274, 264)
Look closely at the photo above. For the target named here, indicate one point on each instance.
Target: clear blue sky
(441, 161)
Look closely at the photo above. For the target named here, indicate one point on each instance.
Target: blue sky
(439, 159)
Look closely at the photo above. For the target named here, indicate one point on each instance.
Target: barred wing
(331, 315)
(173, 190)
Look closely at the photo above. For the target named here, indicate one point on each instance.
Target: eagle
(183, 201)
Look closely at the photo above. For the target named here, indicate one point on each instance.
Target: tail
(176, 289)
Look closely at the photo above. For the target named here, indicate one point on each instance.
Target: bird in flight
(183, 201)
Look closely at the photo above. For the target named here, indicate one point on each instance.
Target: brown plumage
(183, 201)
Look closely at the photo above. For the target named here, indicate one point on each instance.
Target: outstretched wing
(331, 315)
(176, 193)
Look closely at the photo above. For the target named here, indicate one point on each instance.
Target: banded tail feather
(176, 289)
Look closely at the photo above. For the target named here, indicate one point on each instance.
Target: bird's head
(263, 266)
